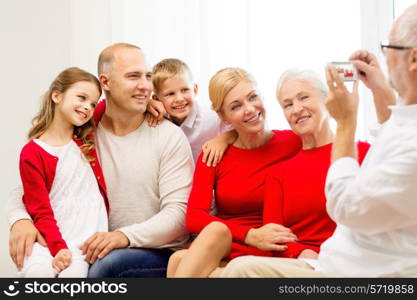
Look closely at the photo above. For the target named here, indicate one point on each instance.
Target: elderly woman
(237, 181)
(295, 188)
(294, 192)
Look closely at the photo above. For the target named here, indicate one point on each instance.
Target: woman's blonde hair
(45, 116)
(223, 82)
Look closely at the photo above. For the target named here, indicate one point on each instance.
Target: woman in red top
(294, 189)
(237, 181)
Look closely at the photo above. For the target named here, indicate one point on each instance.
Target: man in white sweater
(148, 173)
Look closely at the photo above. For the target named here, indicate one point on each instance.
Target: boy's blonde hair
(223, 82)
(169, 68)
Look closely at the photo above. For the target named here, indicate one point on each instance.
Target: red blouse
(294, 198)
(238, 182)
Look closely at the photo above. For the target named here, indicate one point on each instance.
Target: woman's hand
(269, 236)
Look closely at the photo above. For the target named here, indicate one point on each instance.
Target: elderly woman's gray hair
(307, 75)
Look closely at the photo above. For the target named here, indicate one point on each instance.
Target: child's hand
(62, 260)
(152, 120)
(213, 151)
(156, 113)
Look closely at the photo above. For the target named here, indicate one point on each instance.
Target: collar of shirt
(404, 113)
(191, 118)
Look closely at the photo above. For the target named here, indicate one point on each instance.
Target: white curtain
(263, 36)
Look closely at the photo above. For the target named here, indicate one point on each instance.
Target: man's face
(129, 80)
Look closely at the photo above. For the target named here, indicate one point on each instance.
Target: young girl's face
(76, 105)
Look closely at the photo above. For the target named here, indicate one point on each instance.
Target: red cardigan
(294, 198)
(37, 172)
(238, 181)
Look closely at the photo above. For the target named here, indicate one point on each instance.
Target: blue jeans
(131, 262)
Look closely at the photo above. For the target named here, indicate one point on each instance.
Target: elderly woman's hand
(269, 236)
(341, 103)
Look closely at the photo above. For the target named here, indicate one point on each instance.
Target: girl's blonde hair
(44, 118)
(223, 82)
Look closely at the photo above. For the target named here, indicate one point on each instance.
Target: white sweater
(148, 174)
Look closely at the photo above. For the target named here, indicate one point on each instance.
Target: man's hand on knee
(23, 235)
(101, 243)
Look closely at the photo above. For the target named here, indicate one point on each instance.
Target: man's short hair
(169, 68)
(106, 57)
(407, 27)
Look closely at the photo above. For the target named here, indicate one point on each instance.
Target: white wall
(376, 21)
(35, 46)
